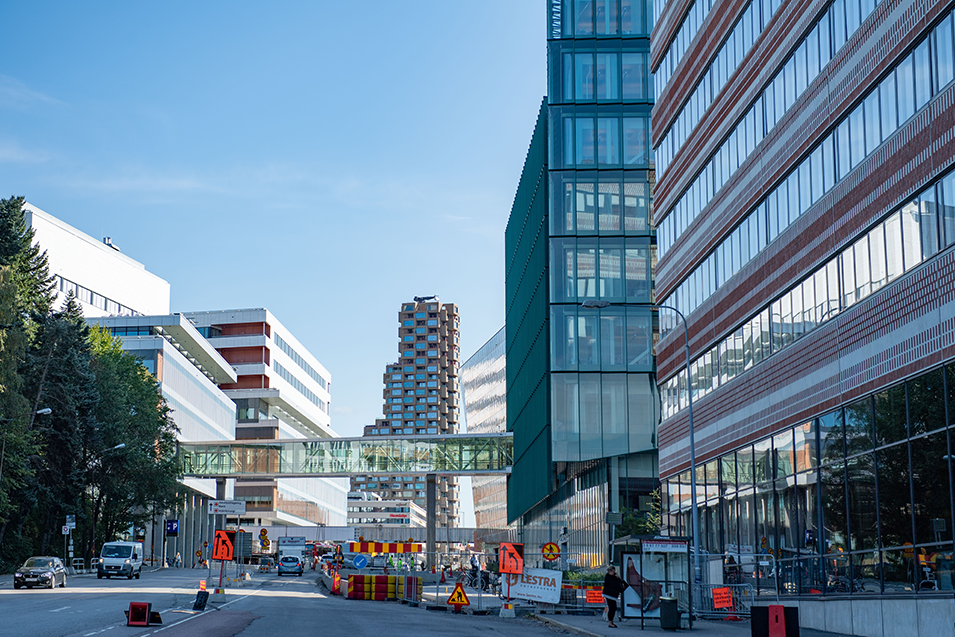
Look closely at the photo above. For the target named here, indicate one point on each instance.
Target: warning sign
(458, 597)
(595, 597)
(551, 551)
(223, 546)
(512, 558)
(722, 598)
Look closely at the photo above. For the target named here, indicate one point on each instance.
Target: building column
(431, 519)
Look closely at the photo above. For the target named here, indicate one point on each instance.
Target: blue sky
(326, 160)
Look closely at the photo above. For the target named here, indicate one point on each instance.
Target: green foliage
(641, 522)
(64, 462)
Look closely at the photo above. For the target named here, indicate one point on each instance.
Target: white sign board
(291, 540)
(535, 584)
(664, 546)
(226, 507)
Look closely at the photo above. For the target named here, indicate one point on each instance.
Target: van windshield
(117, 551)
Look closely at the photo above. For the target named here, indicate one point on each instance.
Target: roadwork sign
(223, 546)
(458, 597)
(512, 558)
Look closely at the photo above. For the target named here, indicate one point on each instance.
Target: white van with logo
(120, 559)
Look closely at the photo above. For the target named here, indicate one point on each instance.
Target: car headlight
(18, 576)
(127, 561)
(46, 575)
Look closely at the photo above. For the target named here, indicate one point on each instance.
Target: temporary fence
(726, 601)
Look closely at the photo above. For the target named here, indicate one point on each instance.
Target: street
(293, 605)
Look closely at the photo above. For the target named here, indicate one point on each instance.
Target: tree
(637, 522)
(133, 412)
(29, 268)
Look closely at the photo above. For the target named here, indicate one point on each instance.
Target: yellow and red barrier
(379, 587)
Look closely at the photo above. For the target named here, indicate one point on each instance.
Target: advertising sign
(535, 584)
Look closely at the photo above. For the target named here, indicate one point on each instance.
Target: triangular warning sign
(458, 597)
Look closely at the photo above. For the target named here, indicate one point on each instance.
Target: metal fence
(726, 601)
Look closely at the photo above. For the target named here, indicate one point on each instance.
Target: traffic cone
(442, 577)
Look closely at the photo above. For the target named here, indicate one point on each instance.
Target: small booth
(658, 570)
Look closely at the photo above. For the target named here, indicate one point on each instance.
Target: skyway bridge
(451, 454)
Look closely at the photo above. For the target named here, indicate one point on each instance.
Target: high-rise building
(281, 392)
(484, 388)
(581, 396)
(805, 208)
(421, 398)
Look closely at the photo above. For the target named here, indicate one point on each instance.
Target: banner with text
(535, 584)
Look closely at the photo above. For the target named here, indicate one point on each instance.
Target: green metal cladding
(525, 244)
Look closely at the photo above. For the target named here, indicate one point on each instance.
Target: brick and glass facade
(421, 397)
(805, 209)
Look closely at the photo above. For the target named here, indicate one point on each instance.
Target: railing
(726, 601)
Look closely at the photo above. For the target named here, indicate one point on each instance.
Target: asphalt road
(272, 606)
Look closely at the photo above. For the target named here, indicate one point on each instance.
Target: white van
(122, 559)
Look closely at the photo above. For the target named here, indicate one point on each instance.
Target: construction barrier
(379, 587)
(726, 601)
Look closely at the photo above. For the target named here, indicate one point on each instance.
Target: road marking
(58, 609)
(183, 621)
(97, 632)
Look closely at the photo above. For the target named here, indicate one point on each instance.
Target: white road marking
(58, 609)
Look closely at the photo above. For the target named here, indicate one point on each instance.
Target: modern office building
(805, 211)
(105, 281)
(581, 396)
(189, 372)
(484, 389)
(118, 293)
(421, 398)
(383, 520)
(281, 392)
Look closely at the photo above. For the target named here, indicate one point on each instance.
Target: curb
(567, 627)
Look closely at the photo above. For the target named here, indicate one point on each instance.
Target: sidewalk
(596, 627)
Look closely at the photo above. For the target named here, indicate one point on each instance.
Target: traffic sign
(226, 507)
(66, 530)
(223, 546)
(458, 597)
(172, 528)
(360, 562)
(512, 558)
(551, 551)
(71, 521)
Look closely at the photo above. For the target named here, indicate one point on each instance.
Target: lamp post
(694, 510)
(93, 514)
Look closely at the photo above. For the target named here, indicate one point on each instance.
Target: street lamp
(694, 510)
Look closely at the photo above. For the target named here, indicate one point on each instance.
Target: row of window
(288, 377)
(904, 91)
(612, 269)
(678, 46)
(589, 18)
(868, 486)
(589, 139)
(906, 238)
(602, 415)
(813, 53)
(747, 30)
(301, 362)
(600, 202)
(602, 76)
(89, 297)
(609, 339)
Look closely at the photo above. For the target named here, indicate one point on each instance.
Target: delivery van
(120, 559)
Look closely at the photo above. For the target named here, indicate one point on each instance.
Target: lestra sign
(535, 584)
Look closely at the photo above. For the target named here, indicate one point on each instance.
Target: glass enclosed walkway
(476, 454)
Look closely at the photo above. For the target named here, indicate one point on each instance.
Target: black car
(40, 571)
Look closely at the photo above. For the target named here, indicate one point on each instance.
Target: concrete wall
(879, 616)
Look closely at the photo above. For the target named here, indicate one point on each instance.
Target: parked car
(291, 565)
(40, 571)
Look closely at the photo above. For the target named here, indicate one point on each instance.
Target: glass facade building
(581, 396)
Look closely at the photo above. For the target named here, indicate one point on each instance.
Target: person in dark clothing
(613, 589)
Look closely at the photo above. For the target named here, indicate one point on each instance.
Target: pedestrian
(178, 560)
(613, 589)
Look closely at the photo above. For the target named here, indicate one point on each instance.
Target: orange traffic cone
(442, 577)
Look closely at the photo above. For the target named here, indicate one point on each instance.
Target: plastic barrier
(379, 587)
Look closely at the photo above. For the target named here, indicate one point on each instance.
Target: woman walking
(613, 589)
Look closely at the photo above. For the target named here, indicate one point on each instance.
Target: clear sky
(326, 160)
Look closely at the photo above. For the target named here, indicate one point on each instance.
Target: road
(88, 607)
